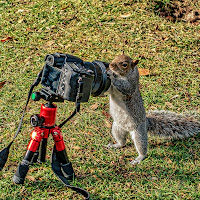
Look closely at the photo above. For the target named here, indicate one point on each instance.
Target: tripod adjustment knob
(36, 96)
(36, 120)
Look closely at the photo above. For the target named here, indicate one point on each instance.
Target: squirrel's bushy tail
(172, 125)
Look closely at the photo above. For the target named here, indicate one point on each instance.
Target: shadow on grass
(175, 160)
(179, 150)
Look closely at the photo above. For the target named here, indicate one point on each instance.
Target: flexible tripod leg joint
(36, 137)
(58, 139)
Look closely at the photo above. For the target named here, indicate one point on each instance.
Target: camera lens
(101, 81)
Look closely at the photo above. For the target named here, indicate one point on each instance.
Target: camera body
(70, 78)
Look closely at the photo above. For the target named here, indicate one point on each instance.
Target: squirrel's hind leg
(119, 135)
(140, 140)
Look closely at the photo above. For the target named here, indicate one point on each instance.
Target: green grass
(95, 30)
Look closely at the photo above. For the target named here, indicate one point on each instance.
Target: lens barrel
(101, 82)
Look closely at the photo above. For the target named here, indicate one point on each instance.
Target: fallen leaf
(68, 46)
(90, 133)
(108, 123)
(92, 171)
(143, 72)
(175, 96)
(53, 26)
(31, 170)
(76, 148)
(64, 8)
(106, 114)
(5, 39)
(97, 178)
(169, 161)
(154, 178)
(27, 59)
(153, 108)
(169, 105)
(2, 84)
(125, 15)
(104, 50)
(128, 184)
(94, 106)
(11, 125)
(20, 10)
(49, 43)
(31, 178)
(23, 189)
(121, 158)
(28, 29)
(20, 20)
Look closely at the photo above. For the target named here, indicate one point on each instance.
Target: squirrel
(128, 112)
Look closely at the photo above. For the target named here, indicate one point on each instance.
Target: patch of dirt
(182, 10)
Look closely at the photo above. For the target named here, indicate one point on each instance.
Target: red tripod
(44, 124)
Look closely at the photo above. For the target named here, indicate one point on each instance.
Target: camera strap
(75, 111)
(5, 152)
(57, 169)
(76, 103)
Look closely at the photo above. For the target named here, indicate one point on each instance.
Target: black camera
(66, 77)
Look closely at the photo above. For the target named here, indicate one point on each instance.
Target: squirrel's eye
(124, 65)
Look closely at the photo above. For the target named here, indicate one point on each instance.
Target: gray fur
(128, 112)
(172, 125)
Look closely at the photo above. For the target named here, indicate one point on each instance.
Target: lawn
(99, 30)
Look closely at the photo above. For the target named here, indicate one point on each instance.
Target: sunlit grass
(98, 30)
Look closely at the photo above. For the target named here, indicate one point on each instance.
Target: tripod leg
(60, 154)
(40, 154)
(42, 150)
(23, 167)
(35, 156)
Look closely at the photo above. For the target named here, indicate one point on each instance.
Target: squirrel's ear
(134, 63)
(122, 52)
